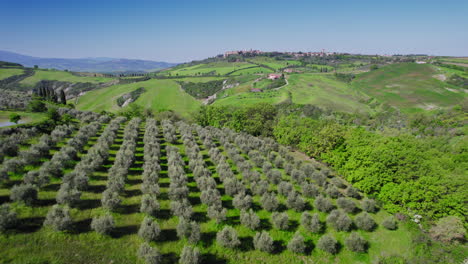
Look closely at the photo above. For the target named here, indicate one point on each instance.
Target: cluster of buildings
(295, 54)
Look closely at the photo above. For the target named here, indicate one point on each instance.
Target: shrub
(227, 237)
(149, 204)
(274, 176)
(297, 244)
(149, 254)
(190, 255)
(280, 220)
(352, 192)
(25, 193)
(390, 223)
(110, 199)
(332, 191)
(260, 187)
(284, 188)
(311, 222)
(269, 202)
(182, 208)
(149, 229)
(365, 222)
(339, 220)
(189, 230)
(103, 225)
(449, 229)
(310, 190)
(369, 205)
(263, 241)
(8, 218)
(58, 218)
(356, 243)
(250, 219)
(323, 204)
(242, 201)
(68, 195)
(328, 244)
(218, 213)
(295, 201)
(347, 205)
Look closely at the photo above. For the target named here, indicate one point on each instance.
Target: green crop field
(5, 73)
(60, 76)
(160, 95)
(409, 87)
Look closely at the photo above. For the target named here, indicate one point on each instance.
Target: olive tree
(149, 204)
(390, 223)
(8, 218)
(365, 222)
(263, 242)
(26, 193)
(227, 237)
(58, 218)
(280, 220)
(339, 220)
(328, 244)
(188, 229)
(149, 229)
(190, 255)
(149, 254)
(250, 219)
(103, 224)
(356, 243)
(323, 204)
(297, 243)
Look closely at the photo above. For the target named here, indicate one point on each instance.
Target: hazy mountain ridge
(86, 64)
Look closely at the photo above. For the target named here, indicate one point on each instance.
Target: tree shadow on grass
(309, 247)
(164, 214)
(128, 208)
(4, 199)
(134, 181)
(169, 258)
(132, 193)
(232, 220)
(96, 188)
(278, 246)
(164, 184)
(194, 200)
(207, 238)
(51, 187)
(29, 225)
(212, 259)
(44, 202)
(227, 204)
(11, 183)
(293, 225)
(265, 224)
(122, 231)
(200, 217)
(82, 226)
(168, 235)
(88, 204)
(282, 208)
(246, 243)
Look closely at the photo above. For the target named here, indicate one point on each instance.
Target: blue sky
(178, 31)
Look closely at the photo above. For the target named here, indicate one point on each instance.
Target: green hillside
(160, 95)
(5, 73)
(63, 76)
(409, 87)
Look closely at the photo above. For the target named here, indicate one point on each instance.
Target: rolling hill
(107, 65)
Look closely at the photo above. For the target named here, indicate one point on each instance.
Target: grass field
(249, 98)
(326, 92)
(5, 73)
(221, 68)
(32, 243)
(409, 87)
(272, 63)
(26, 117)
(160, 95)
(60, 76)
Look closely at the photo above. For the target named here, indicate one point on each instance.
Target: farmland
(60, 76)
(5, 73)
(185, 161)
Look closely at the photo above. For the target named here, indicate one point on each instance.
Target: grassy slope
(159, 95)
(60, 76)
(325, 91)
(33, 243)
(275, 64)
(408, 86)
(5, 73)
(219, 67)
(26, 117)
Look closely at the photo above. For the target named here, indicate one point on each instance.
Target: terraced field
(167, 186)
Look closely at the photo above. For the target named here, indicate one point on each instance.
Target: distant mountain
(107, 65)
